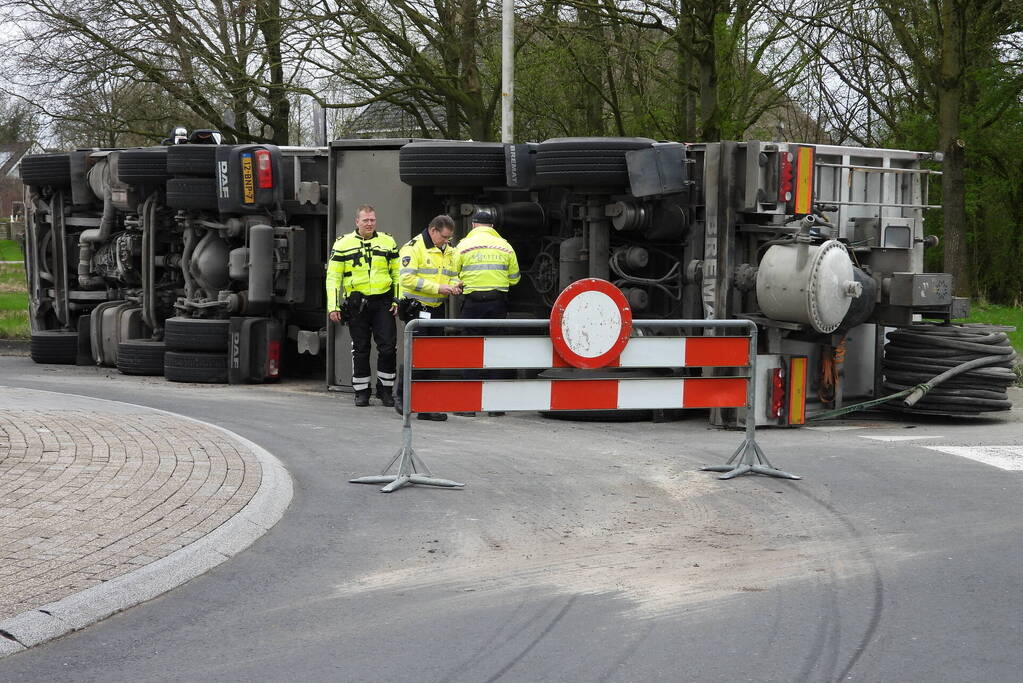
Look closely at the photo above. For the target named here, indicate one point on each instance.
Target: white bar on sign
(654, 352)
(650, 393)
(517, 352)
(530, 394)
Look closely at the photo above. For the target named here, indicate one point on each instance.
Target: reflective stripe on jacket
(423, 269)
(362, 265)
(485, 261)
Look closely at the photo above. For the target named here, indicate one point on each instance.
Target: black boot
(362, 398)
(385, 396)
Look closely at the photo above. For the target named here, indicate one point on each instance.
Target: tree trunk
(953, 183)
(269, 20)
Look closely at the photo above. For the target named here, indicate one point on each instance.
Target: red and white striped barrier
(590, 327)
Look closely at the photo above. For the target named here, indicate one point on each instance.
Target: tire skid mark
(876, 581)
(536, 641)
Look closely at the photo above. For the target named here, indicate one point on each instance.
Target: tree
(935, 55)
(213, 56)
(18, 121)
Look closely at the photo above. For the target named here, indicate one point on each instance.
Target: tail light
(273, 354)
(777, 390)
(795, 179)
(264, 169)
(785, 177)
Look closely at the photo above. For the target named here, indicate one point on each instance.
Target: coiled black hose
(967, 368)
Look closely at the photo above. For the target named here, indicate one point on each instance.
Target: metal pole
(507, 71)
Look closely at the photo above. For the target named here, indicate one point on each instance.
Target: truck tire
(195, 366)
(192, 160)
(585, 162)
(141, 357)
(191, 334)
(59, 347)
(142, 166)
(46, 169)
(454, 164)
(192, 193)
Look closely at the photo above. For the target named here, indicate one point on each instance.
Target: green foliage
(13, 299)
(10, 251)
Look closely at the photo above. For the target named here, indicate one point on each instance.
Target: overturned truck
(206, 262)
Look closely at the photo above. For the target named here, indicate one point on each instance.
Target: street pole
(507, 71)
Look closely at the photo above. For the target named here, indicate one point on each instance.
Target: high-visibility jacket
(485, 262)
(424, 268)
(362, 265)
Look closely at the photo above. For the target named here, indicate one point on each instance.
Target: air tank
(809, 284)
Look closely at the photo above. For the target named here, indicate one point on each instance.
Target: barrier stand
(411, 468)
(587, 333)
(748, 458)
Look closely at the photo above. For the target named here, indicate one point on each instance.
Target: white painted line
(1004, 457)
(900, 437)
(836, 428)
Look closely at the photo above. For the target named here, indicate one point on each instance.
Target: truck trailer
(206, 262)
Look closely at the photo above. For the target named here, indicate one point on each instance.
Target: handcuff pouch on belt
(409, 309)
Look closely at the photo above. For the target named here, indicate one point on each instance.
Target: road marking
(1005, 457)
(836, 428)
(900, 437)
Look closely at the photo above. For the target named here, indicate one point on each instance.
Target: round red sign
(590, 323)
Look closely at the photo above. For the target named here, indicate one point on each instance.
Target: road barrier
(573, 394)
(590, 327)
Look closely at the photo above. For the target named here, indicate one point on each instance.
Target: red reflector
(264, 169)
(777, 394)
(785, 177)
(273, 357)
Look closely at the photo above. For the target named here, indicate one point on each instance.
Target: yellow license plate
(248, 181)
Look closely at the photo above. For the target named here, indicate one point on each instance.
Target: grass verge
(992, 314)
(13, 302)
(10, 251)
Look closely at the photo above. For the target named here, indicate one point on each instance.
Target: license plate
(248, 180)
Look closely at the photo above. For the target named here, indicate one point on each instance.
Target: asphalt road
(579, 552)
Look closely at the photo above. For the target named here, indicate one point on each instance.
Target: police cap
(483, 217)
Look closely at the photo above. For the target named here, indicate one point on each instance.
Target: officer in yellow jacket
(362, 290)
(487, 267)
(427, 280)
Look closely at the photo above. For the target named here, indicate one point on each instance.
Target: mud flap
(254, 353)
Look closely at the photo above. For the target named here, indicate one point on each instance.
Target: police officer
(487, 267)
(363, 272)
(427, 278)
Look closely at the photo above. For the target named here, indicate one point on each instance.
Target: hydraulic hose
(973, 364)
(955, 369)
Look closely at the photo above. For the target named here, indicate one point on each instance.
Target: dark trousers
(373, 321)
(486, 309)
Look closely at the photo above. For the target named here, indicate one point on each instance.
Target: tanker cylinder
(809, 284)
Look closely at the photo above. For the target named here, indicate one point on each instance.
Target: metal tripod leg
(749, 458)
(411, 470)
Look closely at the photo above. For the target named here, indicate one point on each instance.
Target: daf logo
(223, 187)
